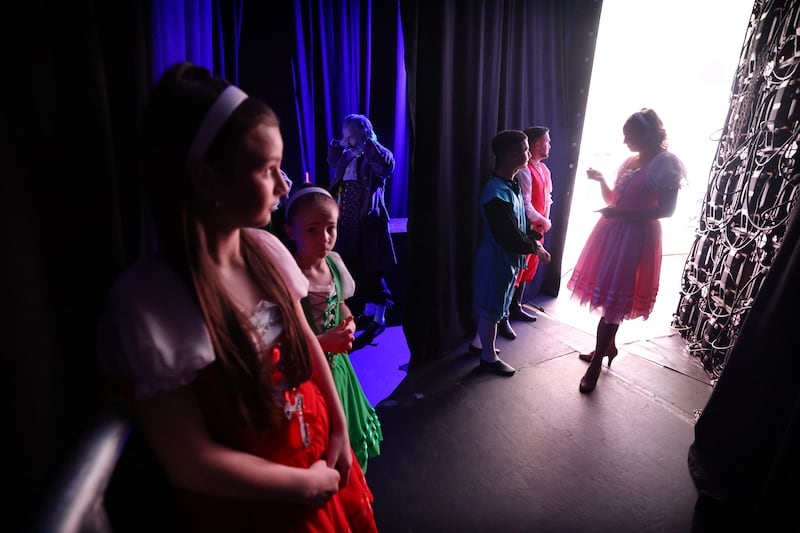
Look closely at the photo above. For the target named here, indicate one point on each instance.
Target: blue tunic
(496, 268)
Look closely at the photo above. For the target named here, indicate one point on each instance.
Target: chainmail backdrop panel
(753, 187)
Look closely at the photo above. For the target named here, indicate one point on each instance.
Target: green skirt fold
(363, 426)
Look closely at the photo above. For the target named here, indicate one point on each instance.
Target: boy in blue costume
(505, 242)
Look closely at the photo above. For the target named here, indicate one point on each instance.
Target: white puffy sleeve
(153, 331)
(282, 258)
(665, 173)
(348, 283)
(524, 180)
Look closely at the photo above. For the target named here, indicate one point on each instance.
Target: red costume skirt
(350, 509)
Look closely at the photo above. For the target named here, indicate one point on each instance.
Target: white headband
(642, 120)
(225, 104)
(303, 192)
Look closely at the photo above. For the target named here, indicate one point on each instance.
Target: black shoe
(499, 367)
(373, 329)
(504, 329)
(367, 336)
(518, 313)
(362, 321)
(361, 340)
(474, 350)
(364, 339)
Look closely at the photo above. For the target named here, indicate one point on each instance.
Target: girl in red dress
(228, 383)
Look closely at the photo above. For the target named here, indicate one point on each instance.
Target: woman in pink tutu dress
(618, 270)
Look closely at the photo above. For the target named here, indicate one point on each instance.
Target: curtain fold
(740, 292)
(181, 30)
(744, 455)
(205, 32)
(475, 68)
(68, 154)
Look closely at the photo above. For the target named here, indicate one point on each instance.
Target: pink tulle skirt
(617, 273)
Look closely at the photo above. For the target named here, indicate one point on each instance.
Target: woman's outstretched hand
(593, 174)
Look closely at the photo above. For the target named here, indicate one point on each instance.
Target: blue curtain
(342, 66)
(200, 31)
(336, 65)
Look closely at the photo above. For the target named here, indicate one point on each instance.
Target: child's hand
(544, 255)
(339, 455)
(338, 339)
(323, 483)
(349, 323)
(544, 226)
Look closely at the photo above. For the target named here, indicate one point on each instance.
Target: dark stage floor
(466, 451)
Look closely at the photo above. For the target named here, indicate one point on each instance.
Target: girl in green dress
(311, 223)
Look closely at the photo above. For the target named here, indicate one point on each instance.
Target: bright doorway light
(679, 58)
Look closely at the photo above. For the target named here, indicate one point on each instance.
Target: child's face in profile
(540, 149)
(248, 197)
(314, 228)
(520, 155)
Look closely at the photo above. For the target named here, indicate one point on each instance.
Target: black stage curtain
(72, 211)
(475, 68)
(744, 459)
(75, 80)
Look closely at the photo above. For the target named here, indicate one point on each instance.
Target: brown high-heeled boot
(588, 381)
(589, 356)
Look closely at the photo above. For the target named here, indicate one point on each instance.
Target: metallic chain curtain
(752, 190)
